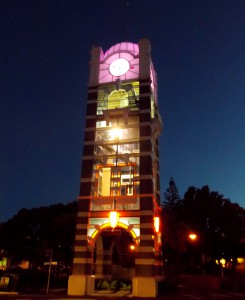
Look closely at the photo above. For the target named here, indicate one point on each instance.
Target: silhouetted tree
(171, 196)
(31, 232)
(218, 222)
(174, 230)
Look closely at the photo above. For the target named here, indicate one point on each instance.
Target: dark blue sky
(198, 50)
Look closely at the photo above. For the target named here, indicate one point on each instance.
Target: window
(118, 99)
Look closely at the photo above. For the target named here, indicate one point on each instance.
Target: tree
(174, 230)
(30, 233)
(218, 222)
(171, 196)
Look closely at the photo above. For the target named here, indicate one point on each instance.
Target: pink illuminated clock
(120, 65)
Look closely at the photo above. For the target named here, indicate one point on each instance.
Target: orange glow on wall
(113, 218)
(156, 224)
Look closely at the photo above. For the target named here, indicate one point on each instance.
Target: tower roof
(123, 47)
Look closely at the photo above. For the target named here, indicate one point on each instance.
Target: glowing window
(117, 99)
(100, 124)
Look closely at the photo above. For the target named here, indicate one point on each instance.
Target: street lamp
(192, 236)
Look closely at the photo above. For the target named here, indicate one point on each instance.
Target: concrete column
(144, 287)
(107, 263)
(99, 263)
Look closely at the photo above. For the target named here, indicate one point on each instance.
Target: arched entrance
(114, 252)
(114, 255)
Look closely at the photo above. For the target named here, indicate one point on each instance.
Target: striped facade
(148, 260)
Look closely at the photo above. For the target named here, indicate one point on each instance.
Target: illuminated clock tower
(118, 230)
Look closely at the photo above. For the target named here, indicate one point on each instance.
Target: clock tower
(118, 232)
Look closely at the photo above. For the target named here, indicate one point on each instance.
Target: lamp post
(49, 269)
(192, 237)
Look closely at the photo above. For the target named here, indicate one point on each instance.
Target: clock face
(119, 67)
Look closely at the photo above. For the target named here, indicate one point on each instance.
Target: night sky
(198, 51)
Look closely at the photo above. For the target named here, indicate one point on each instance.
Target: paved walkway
(103, 295)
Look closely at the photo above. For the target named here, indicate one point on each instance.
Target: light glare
(156, 224)
(113, 217)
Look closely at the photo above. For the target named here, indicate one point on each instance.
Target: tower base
(80, 285)
(144, 286)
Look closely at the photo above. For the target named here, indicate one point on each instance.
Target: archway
(114, 254)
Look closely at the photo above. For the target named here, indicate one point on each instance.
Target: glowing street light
(192, 236)
(222, 262)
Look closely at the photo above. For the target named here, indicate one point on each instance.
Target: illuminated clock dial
(119, 67)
